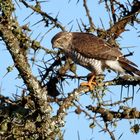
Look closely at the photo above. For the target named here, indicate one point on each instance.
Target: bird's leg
(90, 82)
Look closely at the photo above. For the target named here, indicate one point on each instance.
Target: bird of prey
(93, 53)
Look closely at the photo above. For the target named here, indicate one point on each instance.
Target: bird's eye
(58, 41)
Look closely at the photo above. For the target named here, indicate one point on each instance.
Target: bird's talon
(89, 84)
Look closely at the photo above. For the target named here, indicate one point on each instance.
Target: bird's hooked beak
(53, 46)
(53, 43)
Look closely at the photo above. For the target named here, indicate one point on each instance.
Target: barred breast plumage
(91, 64)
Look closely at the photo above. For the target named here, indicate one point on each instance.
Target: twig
(92, 26)
(44, 14)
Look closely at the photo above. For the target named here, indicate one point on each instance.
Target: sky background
(68, 13)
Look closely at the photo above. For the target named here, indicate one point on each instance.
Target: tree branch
(23, 67)
(38, 10)
(92, 26)
(108, 115)
(119, 26)
(124, 80)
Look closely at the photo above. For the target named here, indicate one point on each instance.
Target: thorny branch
(120, 25)
(124, 18)
(124, 80)
(45, 16)
(92, 26)
(109, 115)
(17, 44)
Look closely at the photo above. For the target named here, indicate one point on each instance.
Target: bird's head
(62, 40)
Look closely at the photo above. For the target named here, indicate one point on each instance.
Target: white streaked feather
(114, 65)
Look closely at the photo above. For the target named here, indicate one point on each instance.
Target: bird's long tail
(129, 68)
